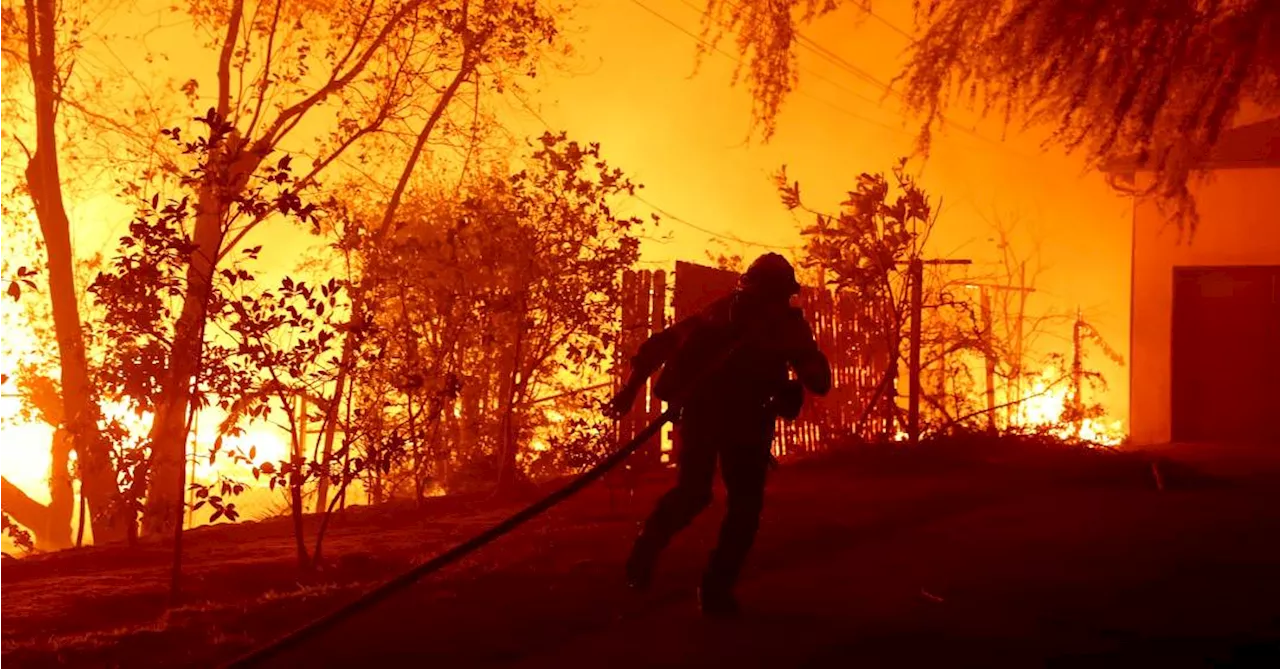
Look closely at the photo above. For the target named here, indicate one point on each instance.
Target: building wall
(1239, 225)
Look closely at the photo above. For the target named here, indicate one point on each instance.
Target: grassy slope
(848, 541)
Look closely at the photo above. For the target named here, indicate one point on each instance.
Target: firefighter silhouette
(727, 369)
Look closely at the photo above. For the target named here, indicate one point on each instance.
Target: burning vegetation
(969, 341)
(336, 293)
(454, 317)
(466, 347)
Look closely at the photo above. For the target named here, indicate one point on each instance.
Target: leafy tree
(1156, 79)
(380, 60)
(287, 348)
(562, 292)
(264, 349)
(506, 294)
(47, 62)
(864, 250)
(525, 263)
(383, 70)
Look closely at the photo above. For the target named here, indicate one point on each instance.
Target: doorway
(1226, 354)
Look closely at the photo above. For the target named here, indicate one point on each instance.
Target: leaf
(14, 290)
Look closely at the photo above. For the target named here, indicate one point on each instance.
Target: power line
(814, 73)
(719, 235)
(697, 38)
(840, 62)
(887, 89)
(813, 46)
(888, 23)
(913, 41)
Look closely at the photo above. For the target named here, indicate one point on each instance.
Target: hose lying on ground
(456, 553)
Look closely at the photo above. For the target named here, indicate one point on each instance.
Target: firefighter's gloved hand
(789, 400)
(621, 403)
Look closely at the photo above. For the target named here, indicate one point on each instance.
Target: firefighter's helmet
(770, 273)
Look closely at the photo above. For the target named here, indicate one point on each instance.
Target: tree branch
(224, 59)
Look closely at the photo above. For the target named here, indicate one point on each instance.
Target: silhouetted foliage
(21, 538)
(473, 304)
(865, 249)
(1155, 79)
(503, 294)
(725, 259)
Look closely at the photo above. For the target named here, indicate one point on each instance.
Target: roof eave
(1133, 167)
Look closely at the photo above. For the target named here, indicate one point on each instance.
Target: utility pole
(1017, 337)
(915, 277)
(822, 257)
(988, 350)
(1077, 374)
(989, 355)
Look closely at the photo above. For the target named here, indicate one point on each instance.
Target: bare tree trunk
(33, 515)
(62, 495)
(1077, 376)
(169, 429)
(296, 478)
(175, 569)
(51, 524)
(508, 469)
(1019, 354)
(80, 522)
(346, 452)
(349, 345)
(81, 411)
(352, 338)
(353, 333)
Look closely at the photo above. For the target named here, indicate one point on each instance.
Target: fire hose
(408, 578)
(456, 553)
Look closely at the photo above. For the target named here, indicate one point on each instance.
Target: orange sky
(683, 138)
(629, 88)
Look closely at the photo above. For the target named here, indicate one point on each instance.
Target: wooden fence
(644, 313)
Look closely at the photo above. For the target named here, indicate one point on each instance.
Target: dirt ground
(940, 558)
